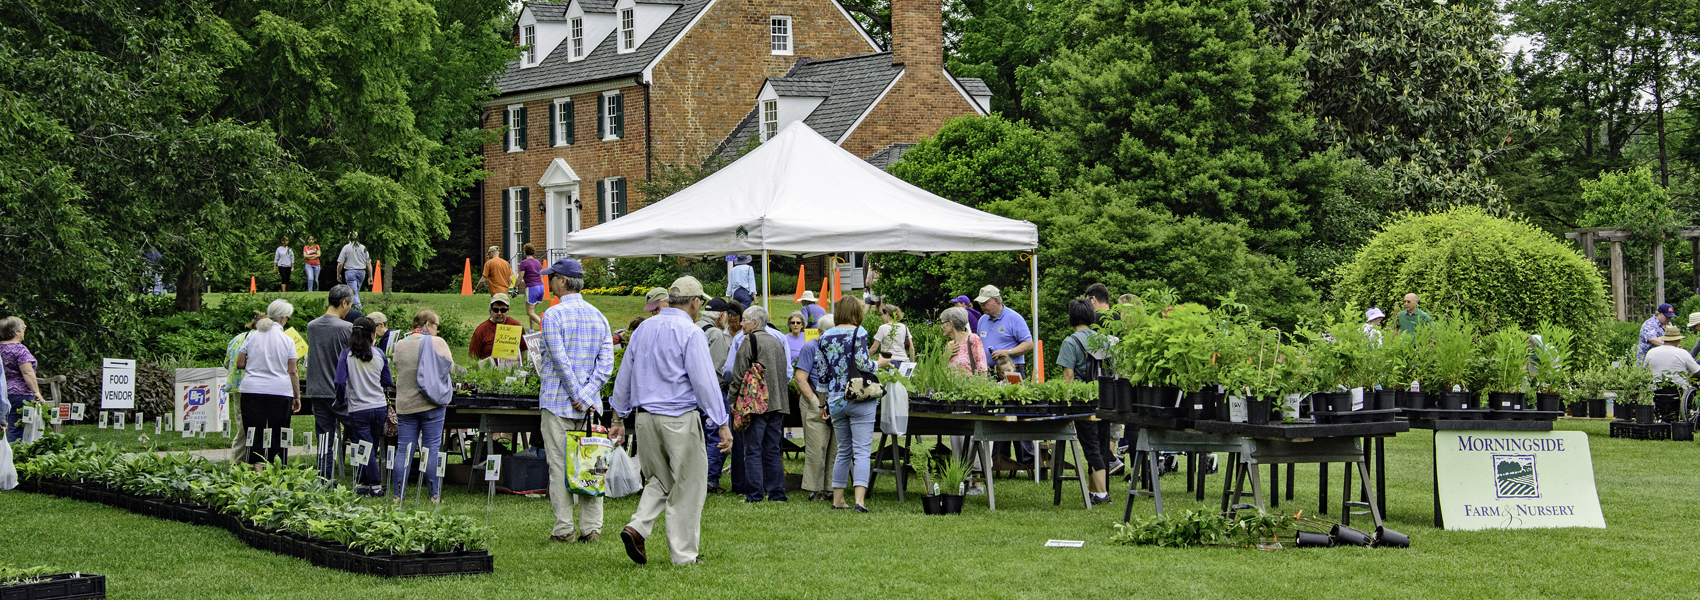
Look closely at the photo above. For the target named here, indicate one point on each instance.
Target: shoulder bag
(434, 382)
(862, 386)
(752, 392)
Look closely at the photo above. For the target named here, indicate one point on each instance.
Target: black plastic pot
(1124, 395)
(1644, 414)
(1505, 400)
(1257, 410)
(1451, 400)
(1416, 400)
(1548, 402)
(1386, 399)
(952, 504)
(1224, 410)
(1579, 408)
(1312, 539)
(1597, 408)
(1167, 396)
(1388, 538)
(932, 505)
(1347, 536)
(1682, 431)
(1106, 394)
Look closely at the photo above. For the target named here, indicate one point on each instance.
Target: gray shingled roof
(603, 62)
(796, 86)
(974, 86)
(856, 82)
(549, 11)
(889, 155)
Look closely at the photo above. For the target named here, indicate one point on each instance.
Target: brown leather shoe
(590, 537)
(634, 545)
(561, 538)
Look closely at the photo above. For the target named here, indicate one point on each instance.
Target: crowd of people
(351, 264)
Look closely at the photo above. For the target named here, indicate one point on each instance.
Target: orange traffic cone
(466, 279)
(1039, 358)
(800, 287)
(378, 277)
(251, 287)
(837, 290)
(825, 291)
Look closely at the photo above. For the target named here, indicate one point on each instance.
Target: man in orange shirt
(498, 274)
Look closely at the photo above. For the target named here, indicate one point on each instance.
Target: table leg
(1257, 486)
(1085, 473)
(1201, 475)
(1291, 470)
(1374, 506)
(1346, 496)
(1274, 485)
(1381, 474)
(1056, 474)
(1132, 483)
(1434, 485)
(1038, 451)
(1322, 489)
(900, 466)
(1239, 483)
(1228, 478)
(1191, 461)
(1156, 482)
(986, 463)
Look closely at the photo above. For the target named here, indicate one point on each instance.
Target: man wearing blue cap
(1654, 328)
(577, 354)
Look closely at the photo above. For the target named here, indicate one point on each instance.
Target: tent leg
(766, 286)
(1033, 321)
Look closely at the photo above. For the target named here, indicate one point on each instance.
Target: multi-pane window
(769, 119)
(513, 120)
(530, 44)
(562, 130)
(781, 34)
(628, 32)
(578, 37)
(611, 116)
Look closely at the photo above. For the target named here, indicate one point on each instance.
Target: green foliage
(1454, 352)
(10, 575)
(1554, 358)
(1185, 104)
(1508, 359)
(1499, 272)
(1181, 529)
(1008, 44)
(977, 160)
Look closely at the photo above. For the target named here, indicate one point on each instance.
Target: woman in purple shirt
(19, 364)
(531, 270)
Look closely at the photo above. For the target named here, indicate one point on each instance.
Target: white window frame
(608, 115)
(561, 122)
(628, 30)
(529, 38)
(514, 221)
(513, 127)
(769, 119)
(577, 38)
(608, 199)
(782, 37)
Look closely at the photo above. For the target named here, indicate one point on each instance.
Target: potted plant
(1507, 366)
(1454, 354)
(1634, 384)
(953, 476)
(1553, 352)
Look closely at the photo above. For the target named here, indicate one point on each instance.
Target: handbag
(862, 387)
(752, 394)
(587, 462)
(392, 424)
(434, 381)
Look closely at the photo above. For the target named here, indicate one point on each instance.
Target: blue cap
(1667, 310)
(565, 267)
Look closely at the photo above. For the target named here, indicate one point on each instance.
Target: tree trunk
(189, 284)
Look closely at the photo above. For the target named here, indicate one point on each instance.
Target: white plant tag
(268, 440)
(493, 468)
(104, 417)
(251, 431)
(158, 425)
(77, 411)
(286, 438)
(389, 458)
(442, 464)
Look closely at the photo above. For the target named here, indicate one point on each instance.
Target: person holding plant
(310, 253)
(963, 350)
(419, 422)
(271, 382)
(893, 340)
(483, 342)
(19, 364)
(852, 418)
(1078, 365)
(362, 373)
(577, 359)
(820, 442)
(1654, 328)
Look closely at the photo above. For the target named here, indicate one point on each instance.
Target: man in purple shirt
(668, 384)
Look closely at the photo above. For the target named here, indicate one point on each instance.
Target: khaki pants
(670, 450)
(820, 446)
(238, 433)
(555, 430)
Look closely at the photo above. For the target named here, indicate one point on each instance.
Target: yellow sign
(809, 335)
(507, 342)
(300, 343)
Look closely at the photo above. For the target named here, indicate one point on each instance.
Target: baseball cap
(1667, 310)
(717, 305)
(962, 299)
(653, 300)
(493, 249)
(987, 293)
(502, 298)
(688, 286)
(565, 267)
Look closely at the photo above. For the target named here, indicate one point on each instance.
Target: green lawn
(802, 549)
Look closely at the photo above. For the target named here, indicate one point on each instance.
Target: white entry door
(563, 216)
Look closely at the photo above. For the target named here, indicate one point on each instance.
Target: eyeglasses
(494, 309)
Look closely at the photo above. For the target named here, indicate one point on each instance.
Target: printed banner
(1516, 480)
(201, 402)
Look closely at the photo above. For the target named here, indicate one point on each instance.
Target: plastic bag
(624, 477)
(587, 463)
(894, 410)
(8, 475)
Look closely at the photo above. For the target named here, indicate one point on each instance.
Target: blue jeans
(355, 278)
(410, 430)
(15, 417)
(327, 421)
(764, 465)
(716, 460)
(368, 426)
(855, 428)
(313, 277)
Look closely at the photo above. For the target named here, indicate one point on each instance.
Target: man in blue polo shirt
(1006, 335)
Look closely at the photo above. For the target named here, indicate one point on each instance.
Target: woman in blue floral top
(852, 420)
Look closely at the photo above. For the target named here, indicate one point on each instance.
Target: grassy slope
(802, 549)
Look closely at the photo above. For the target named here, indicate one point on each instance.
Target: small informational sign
(1065, 544)
(63, 414)
(118, 420)
(424, 462)
(117, 384)
(507, 342)
(389, 458)
(77, 411)
(251, 431)
(266, 441)
(442, 464)
(809, 335)
(1516, 480)
(493, 468)
(286, 438)
(1236, 409)
(906, 369)
(300, 343)
(187, 427)
(104, 418)
(363, 452)
(158, 425)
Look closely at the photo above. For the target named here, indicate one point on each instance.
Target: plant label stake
(158, 425)
(389, 458)
(224, 431)
(201, 430)
(268, 444)
(286, 438)
(104, 417)
(251, 437)
(188, 429)
(442, 463)
(492, 472)
(118, 420)
(76, 411)
(139, 419)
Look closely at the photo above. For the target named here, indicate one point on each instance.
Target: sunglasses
(796, 322)
(493, 309)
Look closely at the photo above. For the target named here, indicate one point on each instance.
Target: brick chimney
(917, 37)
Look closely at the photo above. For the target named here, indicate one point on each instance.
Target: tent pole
(1033, 270)
(766, 287)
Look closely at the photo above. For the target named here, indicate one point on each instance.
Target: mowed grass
(804, 550)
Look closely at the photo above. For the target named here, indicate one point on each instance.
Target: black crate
(1639, 431)
(63, 586)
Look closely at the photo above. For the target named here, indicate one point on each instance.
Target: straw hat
(1672, 334)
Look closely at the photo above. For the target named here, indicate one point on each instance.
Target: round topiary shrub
(1502, 272)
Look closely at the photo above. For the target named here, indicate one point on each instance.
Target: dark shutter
(554, 136)
(619, 109)
(524, 216)
(601, 102)
(522, 128)
(507, 124)
(601, 204)
(507, 225)
(568, 108)
(620, 197)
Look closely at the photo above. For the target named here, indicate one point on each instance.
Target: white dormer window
(578, 37)
(780, 27)
(769, 119)
(628, 31)
(530, 40)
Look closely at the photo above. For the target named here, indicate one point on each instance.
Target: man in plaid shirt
(577, 358)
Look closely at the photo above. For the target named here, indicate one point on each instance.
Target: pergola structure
(1588, 236)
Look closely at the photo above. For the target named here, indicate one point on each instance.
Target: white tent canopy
(799, 193)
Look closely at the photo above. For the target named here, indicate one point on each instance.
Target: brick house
(606, 90)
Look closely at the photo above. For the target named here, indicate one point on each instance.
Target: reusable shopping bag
(587, 462)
